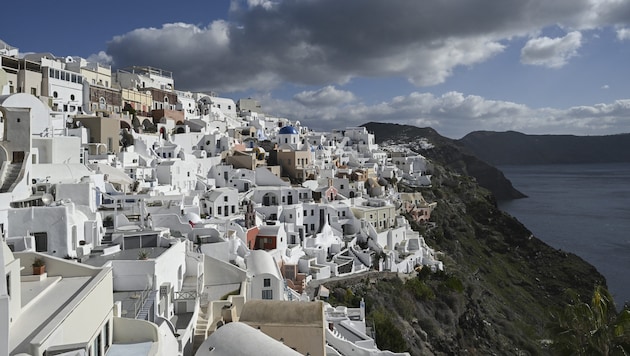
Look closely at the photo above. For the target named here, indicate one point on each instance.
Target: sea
(579, 208)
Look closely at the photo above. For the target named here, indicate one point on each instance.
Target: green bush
(388, 336)
(419, 290)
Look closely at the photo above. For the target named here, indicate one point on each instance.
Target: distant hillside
(515, 148)
(448, 152)
(501, 286)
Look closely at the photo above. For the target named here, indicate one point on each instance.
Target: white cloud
(605, 86)
(551, 52)
(454, 115)
(101, 57)
(623, 34)
(326, 96)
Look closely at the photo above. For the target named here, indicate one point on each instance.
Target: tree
(594, 328)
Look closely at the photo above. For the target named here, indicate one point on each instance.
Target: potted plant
(39, 266)
(143, 255)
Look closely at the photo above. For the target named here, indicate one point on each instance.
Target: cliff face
(449, 153)
(514, 148)
(499, 290)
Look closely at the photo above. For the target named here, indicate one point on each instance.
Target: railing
(185, 295)
(139, 303)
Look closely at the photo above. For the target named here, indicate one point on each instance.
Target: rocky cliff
(500, 286)
(451, 155)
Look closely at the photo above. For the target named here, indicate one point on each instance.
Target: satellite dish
(47, 199)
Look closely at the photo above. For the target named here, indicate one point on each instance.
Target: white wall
(56, 221)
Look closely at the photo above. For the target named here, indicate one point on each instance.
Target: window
(55, 94)
(106, 335)
(34, 91)
(72, 97)
(225, 198)
(97, 345)
(267, 294)
(267, 282)
(219, 210)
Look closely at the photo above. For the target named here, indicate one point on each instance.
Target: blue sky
(537, 66)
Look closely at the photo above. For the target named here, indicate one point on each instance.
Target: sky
(533, 66)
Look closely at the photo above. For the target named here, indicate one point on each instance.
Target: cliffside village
(138, 219)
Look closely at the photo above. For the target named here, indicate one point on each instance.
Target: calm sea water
(584, 209)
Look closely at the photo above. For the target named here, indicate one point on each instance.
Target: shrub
(388, 336)
(419, 290)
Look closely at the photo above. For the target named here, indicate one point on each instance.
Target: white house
(221, 202)
(156, 279)
(178, 174)
(57, 230)
(266, 280)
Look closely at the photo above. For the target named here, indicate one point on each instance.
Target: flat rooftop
(42, 300)
(128, 254)
(217, 291)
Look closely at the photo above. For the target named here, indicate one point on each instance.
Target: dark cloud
(318, 42)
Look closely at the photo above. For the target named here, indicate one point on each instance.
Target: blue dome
(288, 130)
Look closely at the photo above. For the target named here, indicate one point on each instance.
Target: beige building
(295, 164)
(380, 214)
(104, 133)
(23, 76)
(246, 159)
(140, 100)
(93, 72)
(300, 325)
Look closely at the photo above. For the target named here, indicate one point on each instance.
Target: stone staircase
(201, 327)
(11, 174)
